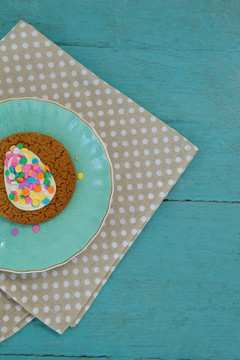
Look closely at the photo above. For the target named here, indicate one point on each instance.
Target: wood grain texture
(176, 293)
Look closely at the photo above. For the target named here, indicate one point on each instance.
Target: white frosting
(14, 185)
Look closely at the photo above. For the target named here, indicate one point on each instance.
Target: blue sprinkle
(32, 180)
(16, 175)
(34, 161)
(11, 169)
(46, 201)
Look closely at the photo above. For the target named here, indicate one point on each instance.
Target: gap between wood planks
(84, 357)
(205, 201)
(68, 356)
(109, 46)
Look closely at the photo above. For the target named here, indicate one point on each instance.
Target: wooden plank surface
(176, 293)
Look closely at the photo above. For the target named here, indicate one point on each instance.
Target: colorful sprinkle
(30, 155)
(35, 228)
(21, 201)
(32, 180)
(47, 182)
(28, 181)
(11, 196)
(14, 232)
(40, 175)
(41, 196)
(51, 189)
(37, 188)
(80, 176)
(33, 195)
(35, 202)
(26, 192)
(23, 161)
(46, 201)
(28, 200)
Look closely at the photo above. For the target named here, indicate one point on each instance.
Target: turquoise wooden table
(176, 294)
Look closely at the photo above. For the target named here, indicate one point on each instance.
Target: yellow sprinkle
(21, 202)
(12, 147)
(36, 202)
(41, 196)
(76, 158)
(30, 155)
(43, 167)
(24, 150)
(33, 195)
(18, 168)
(19, 191)
(80, 176)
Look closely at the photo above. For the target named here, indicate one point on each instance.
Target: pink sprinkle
(8, 156)
(8, 180)
(29, 167)
(6, 162)
(34, 174)
(35, 167)
(15, 155)
(14, 192)
(21, 155)
(28, 200)
(14, 163)
(26, 175)
(35, 228)
(25, 167)
(14, 232)
(31, 187)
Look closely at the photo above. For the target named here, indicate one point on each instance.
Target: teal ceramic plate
(66, 235)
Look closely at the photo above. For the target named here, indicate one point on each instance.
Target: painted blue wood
(174, 296)
(176, 293)
(195, 92)
(163, 24)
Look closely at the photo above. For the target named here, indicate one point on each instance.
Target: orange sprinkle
(47, 169)
(50, 189)
(20, 179)
(25, 192)
(40, 175)
(15, 198)
(37, 188)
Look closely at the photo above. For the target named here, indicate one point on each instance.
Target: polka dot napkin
(148, 158)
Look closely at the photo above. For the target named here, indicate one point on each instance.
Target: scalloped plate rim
(110, 197)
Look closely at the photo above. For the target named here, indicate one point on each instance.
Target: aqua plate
(70, 232)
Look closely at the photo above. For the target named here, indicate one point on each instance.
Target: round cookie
(53, 154)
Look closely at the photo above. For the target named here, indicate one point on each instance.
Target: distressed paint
(176, 293)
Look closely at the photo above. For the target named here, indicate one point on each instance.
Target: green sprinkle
(21, 174)
(47, 182)
(23, 197)
(11, 196)
(47, 174)
(7, 172)
(23, 160)
(20, 146)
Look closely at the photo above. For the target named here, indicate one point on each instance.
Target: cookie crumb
(76, 158)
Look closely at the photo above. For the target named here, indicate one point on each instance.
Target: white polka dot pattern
(12, 316)
(147, 155)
